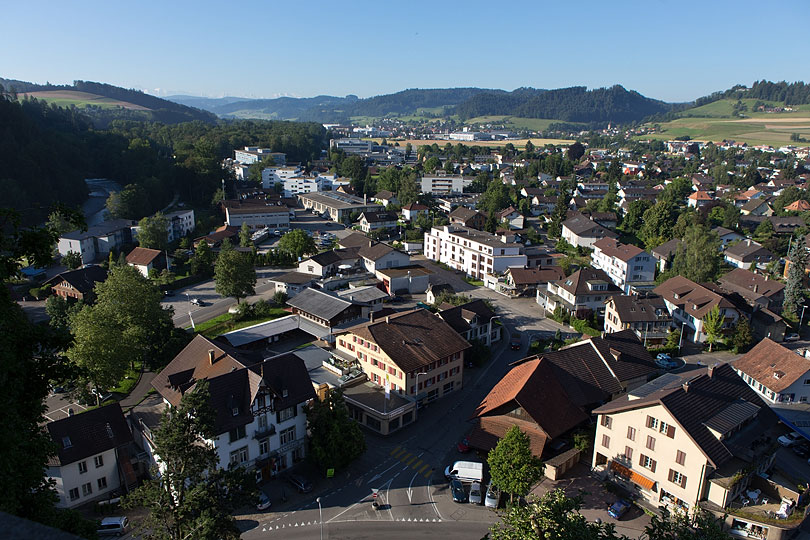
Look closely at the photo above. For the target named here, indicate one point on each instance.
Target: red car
(463, 446)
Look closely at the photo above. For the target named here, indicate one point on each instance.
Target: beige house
(704, 438)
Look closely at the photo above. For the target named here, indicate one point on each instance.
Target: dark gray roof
(633, 308)
(577, 283)
(102, 229)
(83, 279)
(297, 278)
(748, 250)
(363, 294)
(319, 303)
(667, 249)
(89, 433)
(458, 317)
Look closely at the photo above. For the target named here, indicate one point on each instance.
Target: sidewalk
(140, 390)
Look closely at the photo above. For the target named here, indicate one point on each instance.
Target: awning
(632, 475)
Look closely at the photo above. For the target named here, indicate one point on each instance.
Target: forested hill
(575, 104)
(103, 103)
(796, 93)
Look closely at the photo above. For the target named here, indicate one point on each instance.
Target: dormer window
(66, 442)
(284, 393)
(235, 411)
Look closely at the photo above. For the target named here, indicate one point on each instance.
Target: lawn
(66, 98)
(129, 381)
(516, 122)
(225, 323)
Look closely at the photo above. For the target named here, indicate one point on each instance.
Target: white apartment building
(181, 223)
(260, 423)
(257, 214)
(97, 241)
(775, 373)
(625, 264)
(253, 154)
(274, 175)
(476, 253)
(445, 184)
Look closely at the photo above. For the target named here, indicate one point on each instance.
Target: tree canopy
(153, 232)
(234, 274)
(335, 439)
(297, 243)
(512, 466)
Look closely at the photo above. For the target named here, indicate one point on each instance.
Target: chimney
(211, 356)
(710, 370)
(686, 386)
(365, 198)
(756, 287)
(387, 319)
(371, 243)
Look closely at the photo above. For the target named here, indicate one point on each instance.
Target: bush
(655, 351)
(280, 298)
(262, 308)
(583, 327)
(40, 292)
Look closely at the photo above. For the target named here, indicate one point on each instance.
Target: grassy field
(225, 323)
(515, 122)
(66, 98)
(518, 143)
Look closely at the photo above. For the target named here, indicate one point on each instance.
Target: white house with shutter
(625, 264)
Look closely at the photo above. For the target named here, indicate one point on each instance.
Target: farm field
(516, 122)
(66, 98)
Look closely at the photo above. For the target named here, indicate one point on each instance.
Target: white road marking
(432, 502)
(376, 476)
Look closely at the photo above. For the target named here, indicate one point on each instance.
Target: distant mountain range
(575, 104)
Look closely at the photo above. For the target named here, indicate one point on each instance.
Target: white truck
(466, 471)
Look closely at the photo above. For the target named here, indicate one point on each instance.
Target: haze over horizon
(256, 50)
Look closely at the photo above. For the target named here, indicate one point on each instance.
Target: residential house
(526, 281)
(726, 236)
(412, 211)
(606, 219)
(215, 238)
(526, 397)
(757, 207)
(473, 321)
(756, 289)
(748, 253)
(368, 297)
(146, 260)
(580, 294)
(699, 199)
(435, 291)
(377, 221)
(91, 460)
(473, 252)
(385, 198)
(775, 373)
(327, 263)
(511, 217)
(467, 217)
(411, 279)
(688, 303)
(625, 264)
(698, 437)
(787, 225)
(78, 284)
(542, 257)
(260, 422)
(665, 253)
(413, 353)
(798, 206)
(292, 283)
(645, 314)
(375, 256)
(257, 213)
(445, 184)
(581, 231)
(97, 241)
(322, 312)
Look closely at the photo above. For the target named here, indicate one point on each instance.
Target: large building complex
(337, 206)
(476, 253)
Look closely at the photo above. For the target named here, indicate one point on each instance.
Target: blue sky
(676, 51)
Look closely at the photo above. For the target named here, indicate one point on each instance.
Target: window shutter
(652, 465)
(683, 481)
(278, 417)
(649, 421)
(641, 458)
(671, 432)
(671, 475)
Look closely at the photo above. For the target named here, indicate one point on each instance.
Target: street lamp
(801, 319)
(320, 513)
(680, 339)
(416, 394)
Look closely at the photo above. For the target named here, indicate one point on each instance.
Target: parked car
(457, 489)
(300, 482)
(475, 493)
(665, 361)
(790, 439)
(792, 337)
(264, 501)
(619, 508)
(397, 300)
(492, 497)
(277, 233)
(802, 450)
(197, 302)
(113, 526)
(516, 342)
(463, 445)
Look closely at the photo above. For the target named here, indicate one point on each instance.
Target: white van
(113, 526)
(466, 471)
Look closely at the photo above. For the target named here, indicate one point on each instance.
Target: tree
(513, 467)
(297, 243)
(742, 337)
(491, 224)
(698, 256)
(635, 212)
(576, 151)
(245, 235)
(658, 222)
(432, 163)
(72, 260)
(495, 198)
(280, 298)
(98, 349)
(191, 497)
(234, 274)
(59, 223)
(764, 231)
(130, 203)
(60, 310)
(553, 516)
(335, 439)
(702, 525)
(794, 289)
(202, 262)
(674, 338)
(218, 197)
(713, 326)
(408, 188)
(153, 232)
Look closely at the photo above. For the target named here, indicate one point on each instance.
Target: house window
(647, 462)
(667, 430)
(628, 453)
(236, 434)
(82, 467)
(607, 421)
(650, 442)
(99, 461)
(102, 483)
(680, 457)
(631, 433)
(239, 456)
(287, 436)
(677, 478)
(262, 422)
(286, 414)
(74, 494)
(87, 489)
(652, 422)
(264, 447)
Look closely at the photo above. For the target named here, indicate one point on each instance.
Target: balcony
(265, 432)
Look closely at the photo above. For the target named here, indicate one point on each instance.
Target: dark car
(802, 450)
(619, 508)
(515, 342)
(463, 445)
(457, 488)
(300, 482)
(397, 300)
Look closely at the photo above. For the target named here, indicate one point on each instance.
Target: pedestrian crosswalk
(412, 460)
